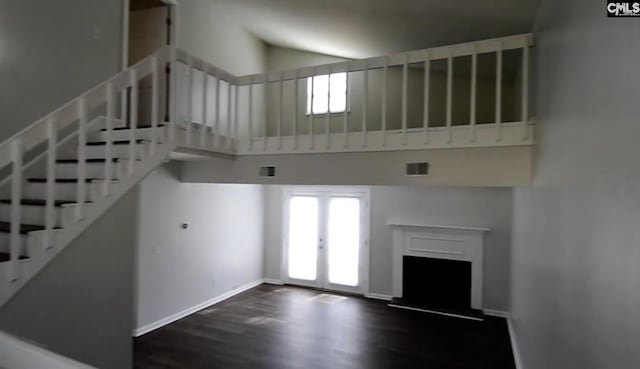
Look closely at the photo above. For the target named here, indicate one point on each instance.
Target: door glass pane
(344, 240)
(303, 237)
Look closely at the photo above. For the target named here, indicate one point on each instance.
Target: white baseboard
(172, 318)
(514, 345)
(272, 281)
(379, 296)
(512, 337)
(496, 313)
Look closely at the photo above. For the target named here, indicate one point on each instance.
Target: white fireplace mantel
(439, 242)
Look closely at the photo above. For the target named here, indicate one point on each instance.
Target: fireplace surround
(454, 243)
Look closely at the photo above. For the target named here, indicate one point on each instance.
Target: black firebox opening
(437, 283)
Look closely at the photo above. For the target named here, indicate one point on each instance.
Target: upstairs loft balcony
(467, 95)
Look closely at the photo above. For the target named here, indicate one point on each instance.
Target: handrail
(378, 62)
(35, 133)
(68, 128)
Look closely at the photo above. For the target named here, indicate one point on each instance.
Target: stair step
(119, 142)
(4, 257)
(66, 180)
(24, 228)
(139, 127)
(40, 202)
(34, 202)
(72, 161)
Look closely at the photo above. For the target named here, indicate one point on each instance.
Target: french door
(326, 239)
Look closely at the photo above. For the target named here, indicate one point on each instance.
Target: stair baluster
(52, 132)
(17, 150)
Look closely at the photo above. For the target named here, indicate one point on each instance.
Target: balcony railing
(466, 95)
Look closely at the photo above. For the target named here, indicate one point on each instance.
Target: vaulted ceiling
(364, 28)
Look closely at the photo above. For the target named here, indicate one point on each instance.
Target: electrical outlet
(97, 34)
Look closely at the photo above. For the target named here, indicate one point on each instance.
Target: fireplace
(436, 283)
(438, 267)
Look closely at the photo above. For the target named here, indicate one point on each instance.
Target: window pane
(321, 87)
(338, 92)
(344, 240)
(303, 237)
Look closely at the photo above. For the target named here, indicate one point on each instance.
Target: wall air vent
(268, 171)
(417, 169)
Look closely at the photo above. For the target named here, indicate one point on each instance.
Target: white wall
(212, 30)
(49, 54)
(485, 207)
(488, 166)
(283, 59)
(222, 249)
(576, 237)
(80, 305)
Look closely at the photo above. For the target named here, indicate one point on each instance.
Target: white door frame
(324, 193)
(175, 26)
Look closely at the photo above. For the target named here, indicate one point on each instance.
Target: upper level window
(336, 101)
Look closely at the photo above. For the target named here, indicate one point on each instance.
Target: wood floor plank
(287, 327)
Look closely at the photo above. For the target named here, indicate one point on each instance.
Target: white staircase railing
(67, 168)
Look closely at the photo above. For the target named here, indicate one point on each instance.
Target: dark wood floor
(288, 327)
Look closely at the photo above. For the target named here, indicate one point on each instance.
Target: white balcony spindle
(328, 116)
(365, 102)
(525, 90)
(189, 101)
(52, 134)
(296, 93)
(426, 97)
(449, 97)
(81, 190)
(499, 92)
(311, 114)
(385, 78)
(405, 97)
(229, 127)
(345, 113)
(173, 91)
(217, 135)
(474, 93)
(15, 240)
(133, 121)
(155, 103)
(265, 144)
(108, 147)
(236, 107)
(280, 110)
(250, 106)
(205, 106)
